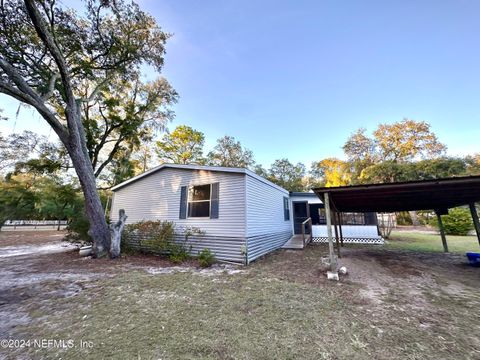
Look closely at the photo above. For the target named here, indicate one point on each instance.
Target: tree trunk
(414, 217)
(77, 149)
(116, 234)
(73, 134)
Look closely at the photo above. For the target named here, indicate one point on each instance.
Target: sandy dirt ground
(24, 238)
(35, 267)
(433, 289)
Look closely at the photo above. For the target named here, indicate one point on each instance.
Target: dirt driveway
(30, 243)
(392, 304)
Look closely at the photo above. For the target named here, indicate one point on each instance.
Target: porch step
(296, 242)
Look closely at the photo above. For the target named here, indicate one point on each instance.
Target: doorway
(301, 212)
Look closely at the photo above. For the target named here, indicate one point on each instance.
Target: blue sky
(295, 78)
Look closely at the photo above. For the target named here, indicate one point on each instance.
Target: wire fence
(11, 225)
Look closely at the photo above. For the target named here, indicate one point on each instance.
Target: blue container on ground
(473, 258)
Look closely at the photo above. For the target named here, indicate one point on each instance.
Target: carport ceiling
(438, 194)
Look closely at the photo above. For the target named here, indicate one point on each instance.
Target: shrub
(386, 223)
(178, 252)
(74, 212)
(78, 228)
(125, 245)
(206, 258)
(457, 222)
(158, 237)
(404, 218)
(425, 216)
(153, 236)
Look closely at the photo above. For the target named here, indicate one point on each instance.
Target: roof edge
(198, 167)
(302, 193)
(400, 183)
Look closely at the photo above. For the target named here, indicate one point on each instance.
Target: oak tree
(330, 172)
(49, 52)
(184, 145)
(287, 175)
(230, 153)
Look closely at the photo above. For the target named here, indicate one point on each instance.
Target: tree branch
(42, 30)
(116, 147)
(17, 79)
(51, 86)
(96, 90)
(49, 117)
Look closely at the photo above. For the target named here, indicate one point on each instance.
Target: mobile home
(242, 215)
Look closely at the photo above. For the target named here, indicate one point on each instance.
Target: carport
(438, 195)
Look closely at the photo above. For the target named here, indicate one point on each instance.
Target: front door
(301, 212)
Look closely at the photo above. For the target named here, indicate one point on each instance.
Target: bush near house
(148, 236)
(160, 238)
(457, 222)
(178, 252)
(206, 258)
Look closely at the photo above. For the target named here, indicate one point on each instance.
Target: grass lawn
(417, 241)
(392, 304)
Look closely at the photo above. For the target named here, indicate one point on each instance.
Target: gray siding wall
(263, 244)
(224, 248)
(267, 228)
(265, 208)
(251, 216)
(157, 197)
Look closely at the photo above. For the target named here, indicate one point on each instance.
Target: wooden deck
(296, 242)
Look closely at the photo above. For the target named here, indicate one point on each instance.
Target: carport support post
(328, 214)
(442, 231)
(335, 226)
(476, 223)
(340, 221)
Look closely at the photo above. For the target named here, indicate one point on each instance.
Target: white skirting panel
(363, 234)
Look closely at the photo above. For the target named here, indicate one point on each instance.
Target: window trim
(354, 216)
(197, 201)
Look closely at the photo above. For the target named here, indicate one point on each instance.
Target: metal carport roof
(438, 194)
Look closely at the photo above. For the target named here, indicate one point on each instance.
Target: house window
(322, 217)
(286, 209)
(199, 198)
(354, 218)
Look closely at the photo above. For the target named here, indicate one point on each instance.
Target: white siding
(352, 234)
(312, 199)
(265, 208)
(348, 231)
(157, 197)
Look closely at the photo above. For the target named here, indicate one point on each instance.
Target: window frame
(354, 218)
(189, 200)
(286, 209)
(322, 216)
